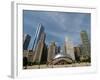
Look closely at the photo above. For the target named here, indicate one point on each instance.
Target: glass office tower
(39, 31)
(26, 41)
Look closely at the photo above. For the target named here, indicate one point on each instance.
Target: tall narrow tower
(39, 48)
(85, 43)
(51, 51)
(26, 41)
(37, 36)
(69, 49)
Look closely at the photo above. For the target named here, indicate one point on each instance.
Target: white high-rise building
(51, 51)
(69, 48)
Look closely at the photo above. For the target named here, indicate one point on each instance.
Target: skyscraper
(38, 52)
(77, 53)
(51, 51)
(85, 43)
(37, 37)
(39, 48)
(26, 41)
(69, 49)
(44, 55)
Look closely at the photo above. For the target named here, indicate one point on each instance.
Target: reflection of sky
(57, 25)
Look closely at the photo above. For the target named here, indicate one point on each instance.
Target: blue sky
(58, 25)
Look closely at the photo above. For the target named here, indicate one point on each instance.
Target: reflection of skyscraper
(51, 51)
(85, 43)
(26, 41)
(69, 49)
(37, 36)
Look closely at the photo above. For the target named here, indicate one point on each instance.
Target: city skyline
(58, 25)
